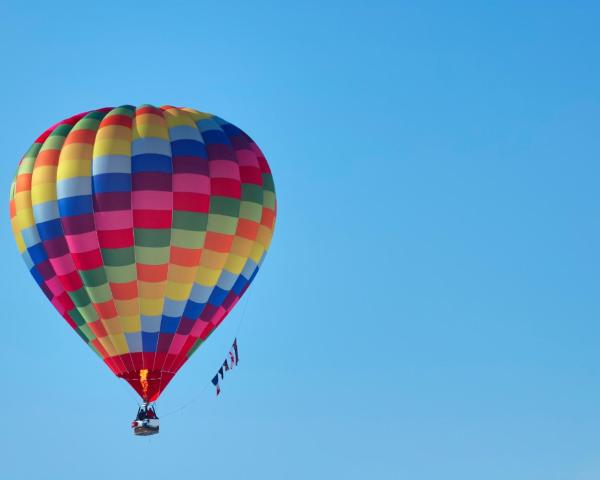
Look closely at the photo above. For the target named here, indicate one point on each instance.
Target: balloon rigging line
(209, 383)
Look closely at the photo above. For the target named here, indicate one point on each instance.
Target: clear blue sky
(429, 308)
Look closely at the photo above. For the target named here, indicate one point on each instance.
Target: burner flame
(144, 381)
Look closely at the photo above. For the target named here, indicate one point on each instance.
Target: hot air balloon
(143, 226)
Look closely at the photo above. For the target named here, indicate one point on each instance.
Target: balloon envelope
(144, 227)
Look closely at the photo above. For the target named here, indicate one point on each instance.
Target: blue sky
(429, 307)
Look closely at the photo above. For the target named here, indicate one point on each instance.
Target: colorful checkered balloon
(144, 227)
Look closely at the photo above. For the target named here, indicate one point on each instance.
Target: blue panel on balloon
(151, 162)
(217, 296)
(37, 253)
(215, 136)
(231, 130)
(239, 285)
(50, 229)
(37, 276)
(169, 324)
(112, 182)
(193, 309)
(188, 148)
(71, 206)
(149, 341)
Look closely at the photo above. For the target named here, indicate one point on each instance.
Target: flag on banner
(215, 382)
(237, 357)
(234, 359)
